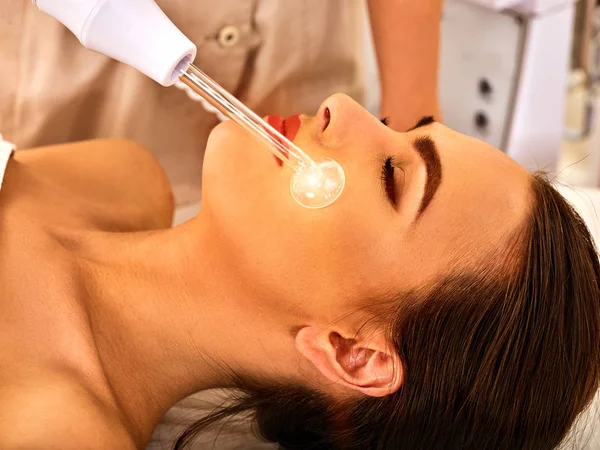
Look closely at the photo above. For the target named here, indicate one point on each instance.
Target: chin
(220, 157)
(223, 136)
(230, 170)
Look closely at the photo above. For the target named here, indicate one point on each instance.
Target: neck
(169, 318)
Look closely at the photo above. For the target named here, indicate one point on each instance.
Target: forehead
(483, 197)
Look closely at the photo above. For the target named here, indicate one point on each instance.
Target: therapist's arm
(406, 34)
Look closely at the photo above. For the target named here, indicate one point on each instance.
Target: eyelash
(388, 179)
(387, 173)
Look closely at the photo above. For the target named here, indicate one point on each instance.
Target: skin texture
(131, 322)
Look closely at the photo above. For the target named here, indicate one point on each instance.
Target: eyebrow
(427, 149)
(424, 121)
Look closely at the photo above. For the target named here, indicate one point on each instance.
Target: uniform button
(229, 36)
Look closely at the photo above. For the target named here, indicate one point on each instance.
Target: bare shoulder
(117, 178)
(57, 415)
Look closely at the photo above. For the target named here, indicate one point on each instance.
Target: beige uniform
(278, 56)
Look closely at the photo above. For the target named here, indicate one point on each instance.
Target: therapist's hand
(406, 34)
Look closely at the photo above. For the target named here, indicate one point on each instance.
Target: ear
(371, 366)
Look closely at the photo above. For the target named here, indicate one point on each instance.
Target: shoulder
(57, 415)
(117, 178)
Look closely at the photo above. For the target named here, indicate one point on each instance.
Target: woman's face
(415, 205)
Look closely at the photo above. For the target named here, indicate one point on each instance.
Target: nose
(341, 121)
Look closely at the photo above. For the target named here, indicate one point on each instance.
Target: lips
(288, 127)
(291, 125)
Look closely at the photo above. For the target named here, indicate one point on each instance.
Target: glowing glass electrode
(315, 184)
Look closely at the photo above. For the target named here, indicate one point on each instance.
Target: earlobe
(371, 367)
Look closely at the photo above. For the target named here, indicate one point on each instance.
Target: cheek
(281, 250)
(276, 245)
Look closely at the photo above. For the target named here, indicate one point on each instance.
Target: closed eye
(426, 148)
(388, 180)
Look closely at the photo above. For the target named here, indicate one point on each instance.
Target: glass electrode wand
(139, 34)
(315, 184)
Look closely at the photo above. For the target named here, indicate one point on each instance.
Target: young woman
(447, 300)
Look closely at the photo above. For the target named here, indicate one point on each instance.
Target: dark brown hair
(502, 358)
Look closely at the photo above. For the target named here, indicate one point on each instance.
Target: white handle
(135, 32)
